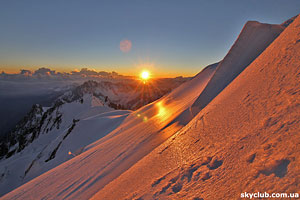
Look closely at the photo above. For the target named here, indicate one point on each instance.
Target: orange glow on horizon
(155, 73)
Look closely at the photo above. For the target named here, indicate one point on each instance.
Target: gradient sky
(169, 37)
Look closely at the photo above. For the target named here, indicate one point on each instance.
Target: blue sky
(171, 37)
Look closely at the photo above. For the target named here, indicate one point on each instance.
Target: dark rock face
(37, 121)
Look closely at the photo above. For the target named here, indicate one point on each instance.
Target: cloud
(44, 72)
(47, 74)
(25, 72)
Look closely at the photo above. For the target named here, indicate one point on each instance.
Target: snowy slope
(251, 42)
(47, 134)
(245, 140)
(81, 123)
(19, 92)
(106, 159)
(241, 135)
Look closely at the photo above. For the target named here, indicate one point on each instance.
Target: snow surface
(245, 139)
(107, 158)
(95, 121)
(75, 107)
(252, 41)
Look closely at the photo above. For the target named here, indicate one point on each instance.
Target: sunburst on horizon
(145, 75)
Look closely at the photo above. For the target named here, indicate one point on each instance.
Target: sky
(168, 37)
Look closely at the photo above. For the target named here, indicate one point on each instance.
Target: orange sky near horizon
(131, 71)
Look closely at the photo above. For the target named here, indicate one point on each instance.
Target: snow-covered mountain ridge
(242, 138)
(115, 94)
(45, 140)
(54, 125)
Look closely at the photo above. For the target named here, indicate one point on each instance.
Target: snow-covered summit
(254, 38)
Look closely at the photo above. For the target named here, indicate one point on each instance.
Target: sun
(145, 75)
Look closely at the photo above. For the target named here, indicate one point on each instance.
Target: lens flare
(125, 46)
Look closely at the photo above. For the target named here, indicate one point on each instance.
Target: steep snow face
(68, 128)
(252, 41)
(104, 160)
(246, 140)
